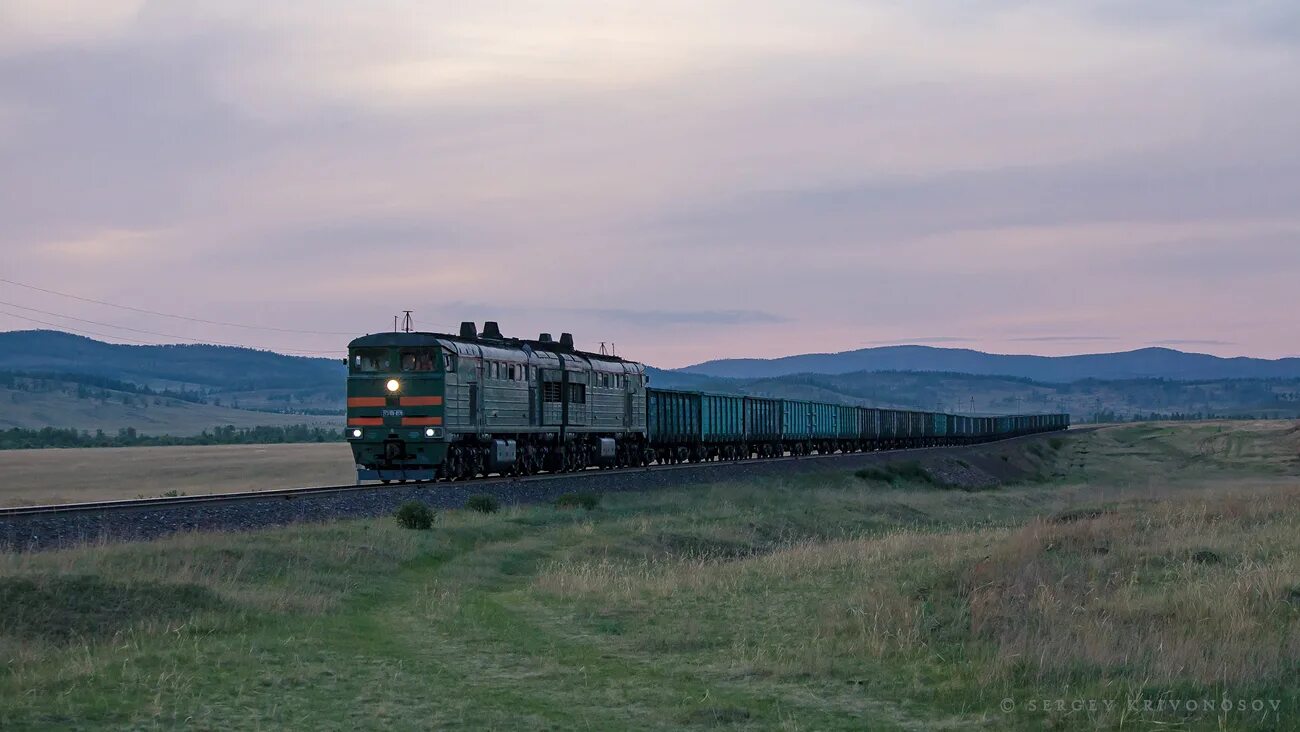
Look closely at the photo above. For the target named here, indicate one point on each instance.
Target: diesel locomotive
(436, 406)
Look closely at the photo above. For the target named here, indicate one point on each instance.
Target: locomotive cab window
(370, 361)
(423, 359)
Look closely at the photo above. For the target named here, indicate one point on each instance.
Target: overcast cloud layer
(688, 179)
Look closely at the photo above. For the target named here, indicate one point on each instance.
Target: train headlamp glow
(430, 432)
(393, 385)
(356, 433)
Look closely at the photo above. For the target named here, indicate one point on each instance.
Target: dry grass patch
(1201, 589)
(301, 569)
(1196, 588)
(105, 473)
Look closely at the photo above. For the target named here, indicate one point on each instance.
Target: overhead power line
(193, 341)
(172, 315)
(146, 332)
(72, 330)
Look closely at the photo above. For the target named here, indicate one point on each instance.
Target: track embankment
(48, 527)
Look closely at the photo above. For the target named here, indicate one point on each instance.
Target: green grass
(808, 603)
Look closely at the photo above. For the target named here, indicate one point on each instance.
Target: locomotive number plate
(394, 413)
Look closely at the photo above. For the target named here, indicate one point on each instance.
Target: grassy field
(1135, 570)
(100, 473)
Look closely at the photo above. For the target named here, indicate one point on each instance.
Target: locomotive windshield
(420, 359)
(371, 360)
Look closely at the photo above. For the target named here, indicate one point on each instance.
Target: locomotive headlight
(356, 434)
(430, 432)
(393, 385)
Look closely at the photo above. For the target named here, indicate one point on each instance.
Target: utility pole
(407, 325)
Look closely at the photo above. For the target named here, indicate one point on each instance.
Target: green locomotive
(430, 406)
(425, 406)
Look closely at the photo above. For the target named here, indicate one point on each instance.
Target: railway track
(49, 526)
(290, 493)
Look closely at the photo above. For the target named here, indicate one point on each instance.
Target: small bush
(1205, 556)
(896, 473)
(911, 471)
(588, 501)
(884, 476)
(483, 503)
(415, 515)
(1056, 443)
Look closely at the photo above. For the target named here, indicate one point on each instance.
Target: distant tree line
(25, 439)
(51, 381)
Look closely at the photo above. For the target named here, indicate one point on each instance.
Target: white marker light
(356, 433)
(430, 432)
(393, 385)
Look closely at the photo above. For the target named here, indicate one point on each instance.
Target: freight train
(436, 406)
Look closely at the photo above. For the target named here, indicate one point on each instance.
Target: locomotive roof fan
(467, 330)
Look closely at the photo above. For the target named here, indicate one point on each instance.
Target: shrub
(884, 476)
(1056, 443)
(588, 501)
(1205, 556)
(415, 515)
(896, 473)
(911, 471)
(483, 503)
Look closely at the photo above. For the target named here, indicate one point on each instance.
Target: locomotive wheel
(452, 466)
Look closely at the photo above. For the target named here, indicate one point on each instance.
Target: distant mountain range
(208, 368)
(50, 378)
(1147, 363)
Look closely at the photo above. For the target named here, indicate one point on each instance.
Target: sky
(686, 179)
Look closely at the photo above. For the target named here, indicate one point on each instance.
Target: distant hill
(29, 403)
(55, 379)
(1147, 363)
(1086, 399)
(218, 368)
